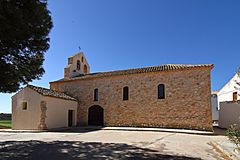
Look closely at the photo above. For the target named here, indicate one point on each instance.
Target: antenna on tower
(79, 48)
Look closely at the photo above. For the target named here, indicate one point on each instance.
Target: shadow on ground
(65, 150)
(219, 131)
(76, 129)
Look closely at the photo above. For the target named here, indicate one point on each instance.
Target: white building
(37, 108)
(230, 91)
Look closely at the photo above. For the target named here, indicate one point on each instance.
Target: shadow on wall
(62, 150)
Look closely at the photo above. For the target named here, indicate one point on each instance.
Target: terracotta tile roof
(50, 93)
(165, 67)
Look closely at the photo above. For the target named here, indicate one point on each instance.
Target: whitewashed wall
(57, 112)
(26, 119)
(226, 93)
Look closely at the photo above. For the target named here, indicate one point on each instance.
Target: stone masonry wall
(187, 102)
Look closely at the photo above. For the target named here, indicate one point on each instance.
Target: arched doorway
(85, 69)
(95, 116)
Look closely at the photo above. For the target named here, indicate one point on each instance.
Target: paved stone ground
(107, 144)
(229, 148)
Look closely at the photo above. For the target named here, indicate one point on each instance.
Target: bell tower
(77, 65)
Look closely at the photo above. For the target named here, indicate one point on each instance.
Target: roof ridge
(30, 85)
(163, 67)
(170, 64)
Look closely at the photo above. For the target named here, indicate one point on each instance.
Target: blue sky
(120, 34)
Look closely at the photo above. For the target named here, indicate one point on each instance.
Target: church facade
(171, 95)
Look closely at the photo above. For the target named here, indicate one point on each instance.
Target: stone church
(170, 95)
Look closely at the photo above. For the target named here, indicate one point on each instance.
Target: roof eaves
(52, 93)
(161, 68)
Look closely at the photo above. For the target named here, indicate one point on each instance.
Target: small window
(161, 91)
(125, 93)
(24, 105)
(82, 59)
(235, 96)
(78, 65)
(95, 94)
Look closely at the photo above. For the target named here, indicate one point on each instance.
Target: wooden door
(95, 116)
(234, 96)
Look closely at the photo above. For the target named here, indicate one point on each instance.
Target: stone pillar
(42, 125)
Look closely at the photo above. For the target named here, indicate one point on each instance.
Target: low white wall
(229, 113)
(57, 112)
(26, 119)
